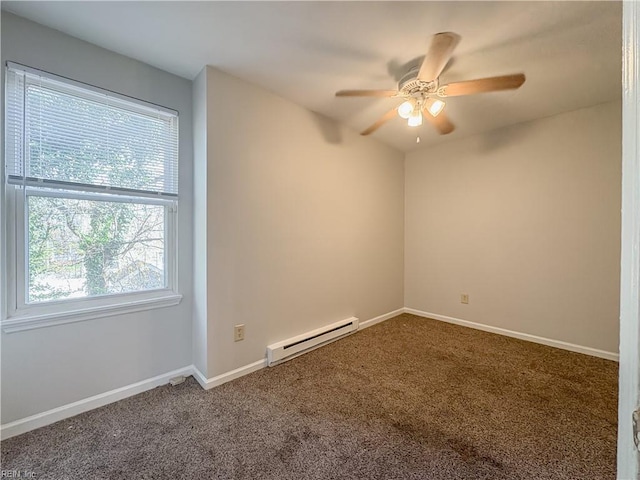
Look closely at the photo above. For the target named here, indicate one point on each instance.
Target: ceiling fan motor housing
(410, 85)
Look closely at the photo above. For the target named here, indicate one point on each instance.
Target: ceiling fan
(422, 93)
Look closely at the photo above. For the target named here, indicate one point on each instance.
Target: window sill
(30, 321)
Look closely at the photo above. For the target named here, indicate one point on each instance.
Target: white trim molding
(522, 336)
(381, 318)
(209, 383)
(43, 419)
(629, 384)
(19, 323)
(38, 420)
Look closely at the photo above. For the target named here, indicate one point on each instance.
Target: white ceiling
(306, 51)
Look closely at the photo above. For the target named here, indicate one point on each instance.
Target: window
(91, 200)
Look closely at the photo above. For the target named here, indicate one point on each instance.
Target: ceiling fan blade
(441, 122)
(440, 51)
(491, 84)
(367, 93)
(381, 121)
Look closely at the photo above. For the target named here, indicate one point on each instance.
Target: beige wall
(304, 222)
(526, 220)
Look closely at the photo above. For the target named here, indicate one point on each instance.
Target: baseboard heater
(288, 349)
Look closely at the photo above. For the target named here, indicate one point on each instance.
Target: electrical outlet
(238, 333)
(464, 298)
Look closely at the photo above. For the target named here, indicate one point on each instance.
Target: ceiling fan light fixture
(406, 109)
(435, 106)
(415, 120)
(421, 88)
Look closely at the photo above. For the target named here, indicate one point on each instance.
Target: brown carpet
(406, 399)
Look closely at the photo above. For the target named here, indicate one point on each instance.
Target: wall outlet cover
(238, 333)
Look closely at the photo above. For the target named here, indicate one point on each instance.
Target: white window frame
(19, 315)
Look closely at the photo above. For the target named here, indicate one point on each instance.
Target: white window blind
(65, 135)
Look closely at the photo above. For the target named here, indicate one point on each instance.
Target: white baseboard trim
(27, 424)
(522, 336)
(38, 420)
(381, 318)
(209, 383)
